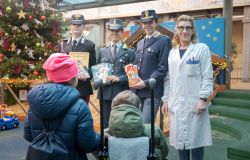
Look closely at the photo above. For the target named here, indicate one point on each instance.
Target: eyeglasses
(116, 31)
(148, 23)
(181, 28)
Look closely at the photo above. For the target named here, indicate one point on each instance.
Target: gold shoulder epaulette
(157, 34)
(107, 45)
(125, 46)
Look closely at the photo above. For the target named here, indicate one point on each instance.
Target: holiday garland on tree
(29, 32)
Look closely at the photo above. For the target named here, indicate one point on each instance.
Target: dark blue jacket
(53, 102)
(152, 60)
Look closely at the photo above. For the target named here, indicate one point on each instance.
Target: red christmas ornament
(1, 33)
(17, 69)
(49, 45)
(43, 18)
(30, 17)
(6, 44)
(35, 73)
(1, 57)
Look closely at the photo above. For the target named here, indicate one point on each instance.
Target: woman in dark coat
(59, 101)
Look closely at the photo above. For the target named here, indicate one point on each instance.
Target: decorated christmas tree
(29, 32)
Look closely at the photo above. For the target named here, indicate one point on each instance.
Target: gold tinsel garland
(13, 82)
(220, 66)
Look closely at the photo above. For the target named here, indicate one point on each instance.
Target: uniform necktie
(74, 44)
(146, 41)
(113, 51)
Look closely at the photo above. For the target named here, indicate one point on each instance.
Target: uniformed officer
(77, 43)
(152, 61)
(118, 54)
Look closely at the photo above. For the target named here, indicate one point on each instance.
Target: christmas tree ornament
(30, 53)
(26, 3)
(25, 27)
(43, 18)
(13, 47)
(1, 33)
(8, 10)
(30, 17)
(1, 57)
(18, 51)
(17, 68)
(38, 44)
(21, 14)
(6, 44)
(35, 73)
(49, 45)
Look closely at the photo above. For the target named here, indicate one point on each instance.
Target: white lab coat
(188, 79)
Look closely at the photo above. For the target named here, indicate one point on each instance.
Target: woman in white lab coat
(186, 89)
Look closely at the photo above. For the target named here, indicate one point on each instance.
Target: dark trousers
(106, 112)
(146, 108)
(197, 154)
(86, 98)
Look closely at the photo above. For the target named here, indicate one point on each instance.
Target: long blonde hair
(176, 40)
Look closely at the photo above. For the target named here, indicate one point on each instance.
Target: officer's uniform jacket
(123, 57)
(152, 61)
(84, 45)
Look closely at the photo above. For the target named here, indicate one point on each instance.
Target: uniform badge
(77, 16)
(146, 13)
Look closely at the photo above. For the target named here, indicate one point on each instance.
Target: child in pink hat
(58, 102)
(60, 68)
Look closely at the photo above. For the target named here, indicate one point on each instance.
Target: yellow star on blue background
(209, 31)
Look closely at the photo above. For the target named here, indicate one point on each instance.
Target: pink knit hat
(60, 68)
